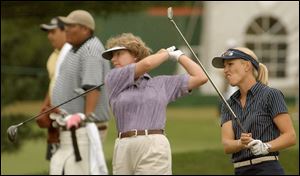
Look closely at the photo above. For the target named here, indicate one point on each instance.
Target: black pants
(264, 168)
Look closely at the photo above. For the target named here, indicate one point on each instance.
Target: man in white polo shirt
(82, 69)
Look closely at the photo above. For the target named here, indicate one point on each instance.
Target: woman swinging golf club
(262, 110)
(139, 103)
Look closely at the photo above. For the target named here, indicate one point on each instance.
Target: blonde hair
(262, 74)
(133, 43)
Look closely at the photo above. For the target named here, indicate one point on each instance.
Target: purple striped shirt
(142, 104)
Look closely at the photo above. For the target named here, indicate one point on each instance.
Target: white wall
(225, 23)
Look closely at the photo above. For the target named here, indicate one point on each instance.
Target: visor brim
(218, 62)
(107, 54)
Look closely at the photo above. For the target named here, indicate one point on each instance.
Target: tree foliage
(25, 49)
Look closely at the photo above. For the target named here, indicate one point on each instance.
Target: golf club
(13, 130)
(170, 16)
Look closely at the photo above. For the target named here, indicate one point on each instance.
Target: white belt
(254, 161)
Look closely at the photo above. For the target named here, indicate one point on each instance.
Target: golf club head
(58, 119)
(170, 13)
(12, 132)
(54, 116)
(61, 122)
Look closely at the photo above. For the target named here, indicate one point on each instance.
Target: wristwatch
(91, 117)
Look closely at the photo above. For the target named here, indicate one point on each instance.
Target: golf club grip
(211, 81)
(49, 110)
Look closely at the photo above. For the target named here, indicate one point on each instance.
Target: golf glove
(173, 53)
(74, 120)
(170, 49)
(257, 147)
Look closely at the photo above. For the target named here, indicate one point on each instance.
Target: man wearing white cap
(57, 38)
(82, 69)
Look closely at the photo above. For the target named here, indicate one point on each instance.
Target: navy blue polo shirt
(262, 105)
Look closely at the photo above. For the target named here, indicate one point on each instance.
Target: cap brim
(218, 62)
(107, 54)
(46, 27)
(66, 20)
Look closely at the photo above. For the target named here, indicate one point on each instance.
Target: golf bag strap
(75, 144)
(51, 149)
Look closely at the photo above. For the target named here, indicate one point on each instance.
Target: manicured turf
(194, 135)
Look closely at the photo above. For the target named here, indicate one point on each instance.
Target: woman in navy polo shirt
(262, 112)
(139, 103)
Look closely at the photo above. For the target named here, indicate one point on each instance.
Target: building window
(267, 37)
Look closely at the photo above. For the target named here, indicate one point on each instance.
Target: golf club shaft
(49, 110)
(206, 73)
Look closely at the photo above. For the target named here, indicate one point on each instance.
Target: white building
(270, 28)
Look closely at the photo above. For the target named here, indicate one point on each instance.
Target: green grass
(194, 135)
(212, 161)
(29, 160)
